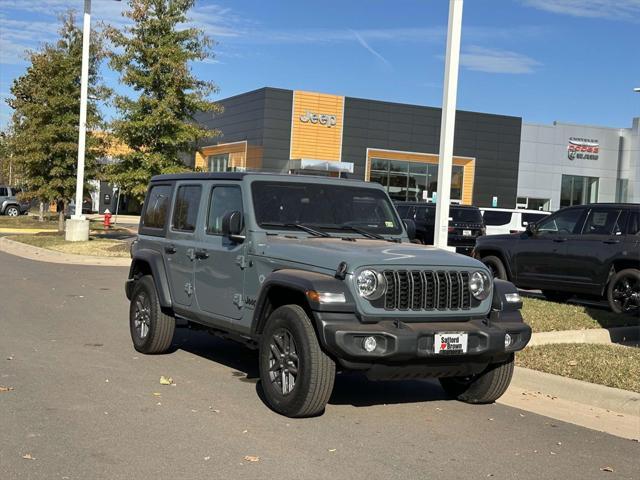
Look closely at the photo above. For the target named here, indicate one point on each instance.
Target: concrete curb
(44, 255)
(615, 399)
(594, 335)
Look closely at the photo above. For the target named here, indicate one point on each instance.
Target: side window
(601, 221)
(564, 222)
(496, 217)
(157, 209)
(224, 199)
(4, 192)
(185, 211)
(531, 218)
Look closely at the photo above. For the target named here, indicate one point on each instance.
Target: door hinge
(241, 260)
(237, 300)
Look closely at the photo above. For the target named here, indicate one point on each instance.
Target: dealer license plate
(466, 233)
(450, 343)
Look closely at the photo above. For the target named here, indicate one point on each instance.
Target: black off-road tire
(160, 325)
(12, 211)
(633, 277)
(555, 296)
(486, 387)
(316, 370)
(496, 266)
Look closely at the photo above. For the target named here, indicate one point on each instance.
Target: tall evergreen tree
(153, 57)
(46, 113)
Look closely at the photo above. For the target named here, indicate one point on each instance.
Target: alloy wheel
(142, 316)
(12, 212)
(283, 361)
(626, 293)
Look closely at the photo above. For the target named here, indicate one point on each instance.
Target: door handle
(611, 242)
(170, 249)
(201, 254)
(559, 240)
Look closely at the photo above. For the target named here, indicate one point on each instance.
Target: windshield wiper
(300, 226)
(363, 232)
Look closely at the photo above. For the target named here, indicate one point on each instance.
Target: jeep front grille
(426, 290)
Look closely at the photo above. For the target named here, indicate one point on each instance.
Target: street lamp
(77, 228)
(637, 89)
(447, 123)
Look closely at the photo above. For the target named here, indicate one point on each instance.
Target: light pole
(447, 123)
(78, 226)
(637, 89)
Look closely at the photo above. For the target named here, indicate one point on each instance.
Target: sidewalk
(44, 255)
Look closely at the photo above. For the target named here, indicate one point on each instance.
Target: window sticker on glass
(388, 224)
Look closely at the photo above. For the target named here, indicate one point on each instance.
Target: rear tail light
(452, 229)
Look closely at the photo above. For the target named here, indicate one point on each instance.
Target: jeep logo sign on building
(583, 149)
(322, 119)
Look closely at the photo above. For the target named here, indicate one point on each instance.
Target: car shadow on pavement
(350, 388)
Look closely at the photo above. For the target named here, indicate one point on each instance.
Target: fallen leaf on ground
(28, 456)
(332, 449)
(10, 357)
(5, 389)
(251, 458)
(572, 363)
(156, 394)
(166, 380)
(207, 458)
(606, 469)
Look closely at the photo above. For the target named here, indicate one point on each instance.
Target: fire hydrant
(107, 219)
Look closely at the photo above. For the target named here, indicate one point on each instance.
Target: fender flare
(302, 281)
(506, 259)
(7, 203)
(156, 265)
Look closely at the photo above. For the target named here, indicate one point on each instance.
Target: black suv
(588, 250)
(465, 223)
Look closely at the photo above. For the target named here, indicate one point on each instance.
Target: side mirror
(410, 227)
(232, 226)
(531, 229)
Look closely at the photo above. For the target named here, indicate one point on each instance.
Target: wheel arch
(496, 252)
(289, 286)
(149, 262)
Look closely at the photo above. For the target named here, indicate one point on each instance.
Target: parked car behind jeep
(586, 250)
(465, 224)
(9, 203)
(318, 274)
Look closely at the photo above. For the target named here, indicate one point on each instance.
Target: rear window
(531, 218)
(465, 215)
(157, 207)
(496, 217)
(456, 214)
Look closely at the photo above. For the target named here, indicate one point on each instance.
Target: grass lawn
(545, 316)
(610, 365)
(95, 246)
(28, 221)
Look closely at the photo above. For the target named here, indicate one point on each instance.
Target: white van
(506, 220)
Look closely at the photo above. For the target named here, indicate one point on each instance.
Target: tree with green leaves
(46, 112)
(153, 57)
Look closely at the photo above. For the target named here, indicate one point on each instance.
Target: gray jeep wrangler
(320, 275)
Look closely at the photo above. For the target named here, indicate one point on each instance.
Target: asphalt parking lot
(85, 405)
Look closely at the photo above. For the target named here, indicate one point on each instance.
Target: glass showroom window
(529, 203)
(577, 190)
(409, 180)
(218, 163)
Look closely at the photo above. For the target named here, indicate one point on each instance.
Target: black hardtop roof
(240, 175)
(605, 204)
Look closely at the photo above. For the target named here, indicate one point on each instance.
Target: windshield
(323, 205)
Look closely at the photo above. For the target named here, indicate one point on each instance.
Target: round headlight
(480, 285)
(371, 284)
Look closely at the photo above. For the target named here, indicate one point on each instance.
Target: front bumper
(411, 345)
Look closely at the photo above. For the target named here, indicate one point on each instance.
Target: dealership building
(499, 160)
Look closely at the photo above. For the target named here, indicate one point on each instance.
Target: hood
(329, 252)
